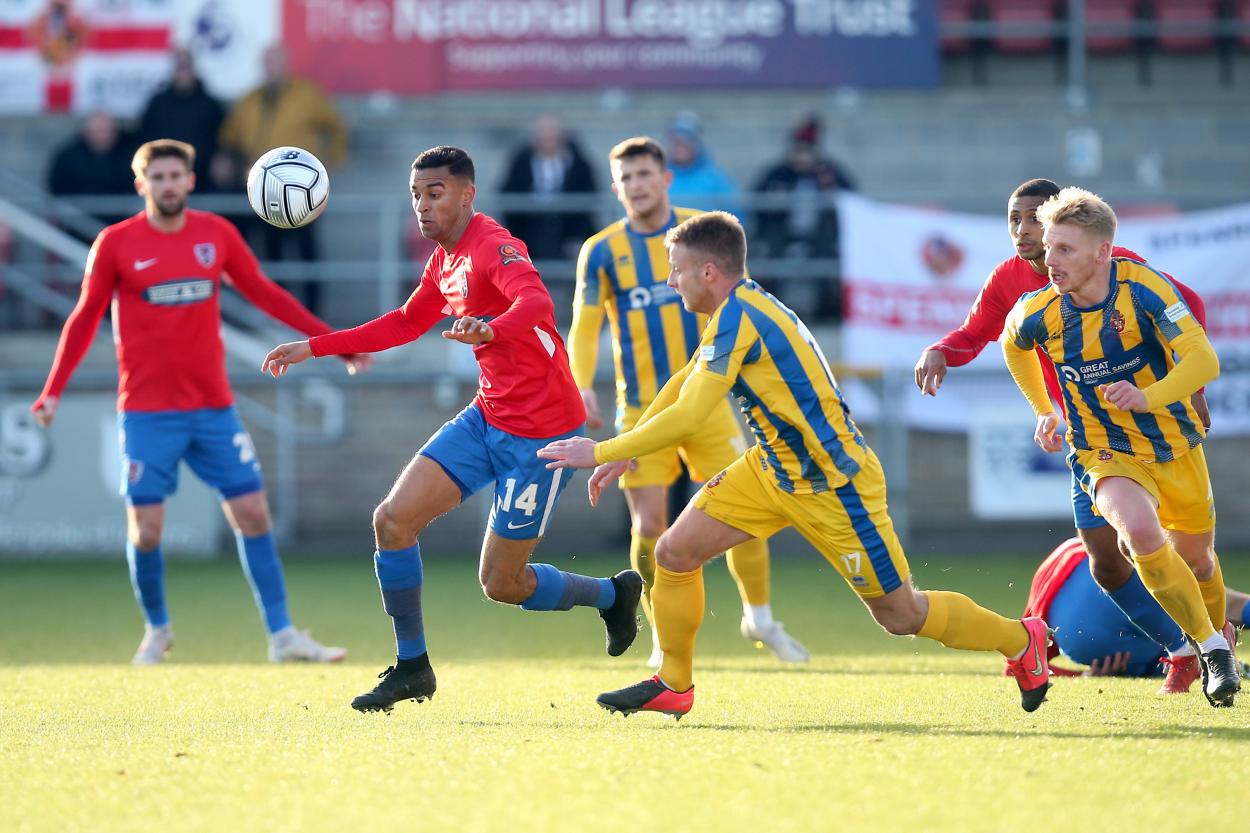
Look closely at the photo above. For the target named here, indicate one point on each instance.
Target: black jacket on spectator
(192, 116)
(77, 169)
(550, 234)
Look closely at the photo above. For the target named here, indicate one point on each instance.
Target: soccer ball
(288, 187)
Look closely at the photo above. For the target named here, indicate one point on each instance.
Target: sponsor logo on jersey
(1116, 321)
(511, 254)
(715, 481)
(1176, 312)
(173, 293)
(1100, 371)
(658, 294)
(205, 254)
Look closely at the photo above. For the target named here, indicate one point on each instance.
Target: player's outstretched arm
(283, 356)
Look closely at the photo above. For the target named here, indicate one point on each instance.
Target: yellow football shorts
(1181, 487)
(849, 525)
(717, 443)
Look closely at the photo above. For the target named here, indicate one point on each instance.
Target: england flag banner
(911, 274)
(83, 55)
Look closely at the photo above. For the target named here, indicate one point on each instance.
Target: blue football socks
(558, 590)
(1144, 612)
(259, 557)
(399, 577)
(147, 576)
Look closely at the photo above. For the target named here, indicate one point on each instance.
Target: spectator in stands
(548, 165)
(697, 181)
(805, 224)
(284, 110)
(182, 109)
(96, 161)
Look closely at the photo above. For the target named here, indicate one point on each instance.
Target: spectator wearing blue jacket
(697, 181)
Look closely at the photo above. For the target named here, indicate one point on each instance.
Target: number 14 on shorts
(526, 501)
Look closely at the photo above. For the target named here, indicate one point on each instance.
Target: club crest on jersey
(1116, 321)
(132, 470)
(1104, 455)
(511, 254)
(205, 253)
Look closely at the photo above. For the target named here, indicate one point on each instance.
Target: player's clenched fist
(283, 356)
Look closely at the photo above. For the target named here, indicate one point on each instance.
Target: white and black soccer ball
(288, 187)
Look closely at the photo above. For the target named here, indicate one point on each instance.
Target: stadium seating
(1035, 14)
(1109, 24)
(1186, 13)
(956, 13)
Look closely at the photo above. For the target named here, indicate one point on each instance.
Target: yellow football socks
(677, 599)
(1213, 595)
(958, 622)
(748, 564)
(1172, 583)
(642, 559)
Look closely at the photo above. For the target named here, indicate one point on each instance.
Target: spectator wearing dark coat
(182, 109)
(550, 164)
(95, 162)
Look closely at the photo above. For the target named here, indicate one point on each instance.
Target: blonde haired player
(1129, 355)
(621, 273)
(810, 468)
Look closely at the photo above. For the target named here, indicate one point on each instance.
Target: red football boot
(1182, 672)
(1032, 669)
(648, 696)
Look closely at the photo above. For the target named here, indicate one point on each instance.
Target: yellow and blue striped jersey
(625, 274)
(781, 380)
(1130, 335)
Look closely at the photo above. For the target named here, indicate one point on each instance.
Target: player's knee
(1203, 566)
(392, 531)
(504, 589)
(899, 622)
(670, 555)
(649, 527)
(146, 536)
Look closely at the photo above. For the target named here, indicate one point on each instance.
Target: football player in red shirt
(483, 276)
(1027, 272)
(162, 271)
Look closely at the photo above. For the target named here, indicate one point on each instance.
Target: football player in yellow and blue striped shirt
(1129, 355)
(809, 468)
(622, 274)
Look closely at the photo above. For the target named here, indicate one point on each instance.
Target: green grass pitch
(877, 733)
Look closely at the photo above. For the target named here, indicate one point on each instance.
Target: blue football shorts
(213, 441)
(1088, 626)
(475, 453)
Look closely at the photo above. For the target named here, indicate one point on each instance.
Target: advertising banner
(423, 46)
(911, 274)
(83, 55)
(59, 488)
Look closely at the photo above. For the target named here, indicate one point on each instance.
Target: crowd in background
(787, 208)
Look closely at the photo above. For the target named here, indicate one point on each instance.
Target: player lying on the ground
(1130, 354)
(622, 273)
(1026, 272)
(810, 468)
(1090, 629)
(162, 270)
(526, 400)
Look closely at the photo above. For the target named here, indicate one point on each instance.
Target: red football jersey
(165, 291)
(526, 387)
(1009, 280)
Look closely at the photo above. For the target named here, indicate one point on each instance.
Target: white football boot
(291, 645)
(155, 645)
(784, 646)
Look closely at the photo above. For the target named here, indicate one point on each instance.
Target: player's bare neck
(457, 231)
(167, 225)
(652, 221)
(1039, 266)
(1095, 291)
